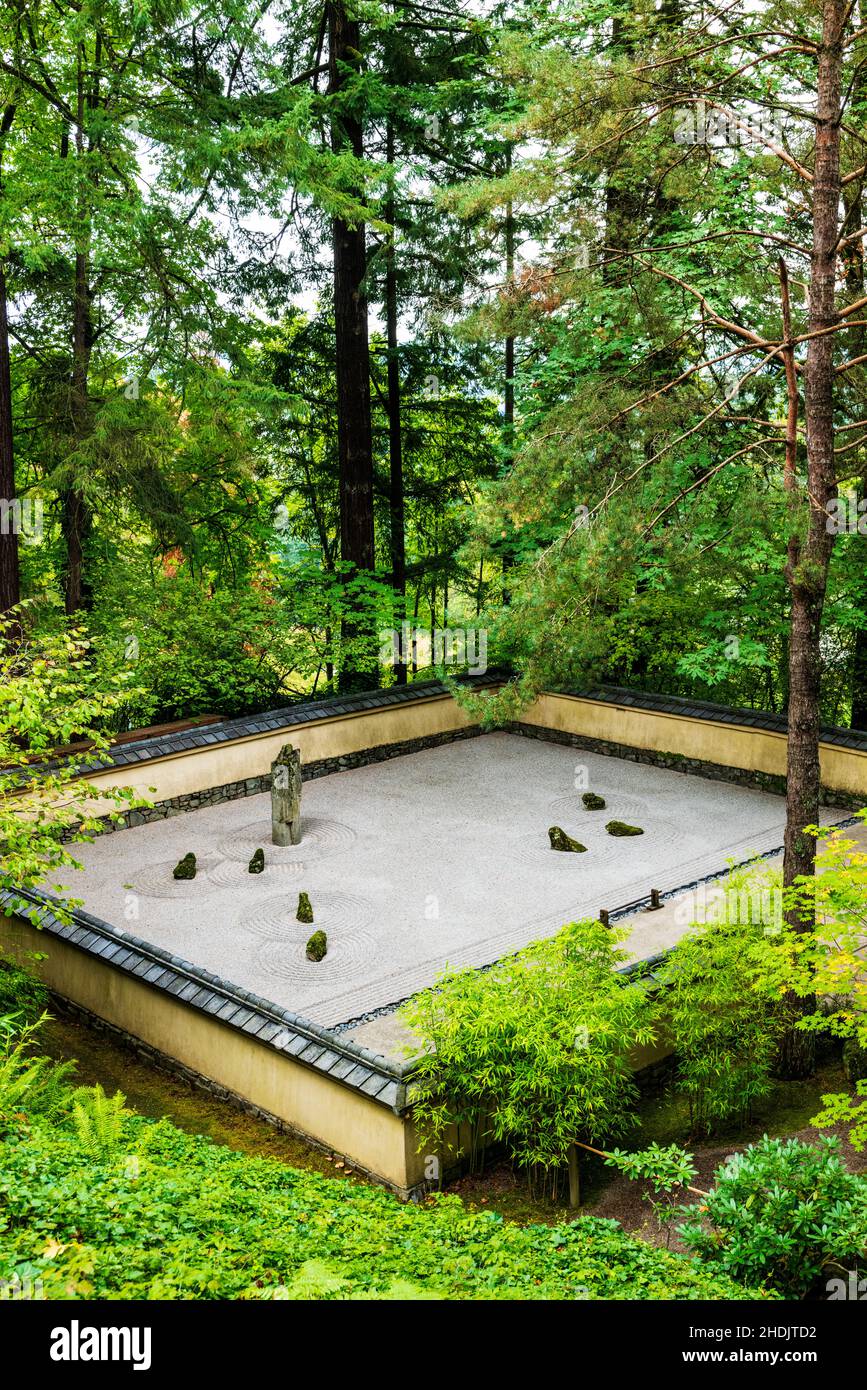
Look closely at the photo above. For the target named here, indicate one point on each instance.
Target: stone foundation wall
(253, 786)
(676, 762)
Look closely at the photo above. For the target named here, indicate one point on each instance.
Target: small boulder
(317, 946)
(619, 827)
(257, 863)
(305, 911)
(561, 841)
(186, 868)
(593, 802)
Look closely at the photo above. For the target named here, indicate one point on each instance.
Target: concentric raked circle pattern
(155, 880)
(600, 848)
(234, 873)
(319, 837)
(287, 959)
(339, 914)
(632, 809)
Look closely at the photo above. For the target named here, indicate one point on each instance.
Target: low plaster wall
(204, 775)
(377, 1138)
(723, 750)
(372, 1136)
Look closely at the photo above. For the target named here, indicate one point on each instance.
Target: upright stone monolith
(286, 797)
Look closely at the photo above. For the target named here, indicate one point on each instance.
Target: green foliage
(534, 1052)
(722, 984)
(666, 1168)
(203, 649)
(197, 1221)
(28, 1082)
(23, 996)
(779, 1213)
(828, 964)
(56, 689)
(98, 1120)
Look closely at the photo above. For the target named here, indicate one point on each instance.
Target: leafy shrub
(28, 1083)
(778, 1213)
(533, 1053)
(723, 982)
(829, 967)
(204, 1222)
(98, 1119)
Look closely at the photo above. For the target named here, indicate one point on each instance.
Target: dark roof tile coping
(705, 709)
(182, 977)
(272, 721)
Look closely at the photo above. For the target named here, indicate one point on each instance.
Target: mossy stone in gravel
(561, 841)
(317, 946)
(186, 868)
(305, 911)
(593, 802)
(257, 863)
(619, 827)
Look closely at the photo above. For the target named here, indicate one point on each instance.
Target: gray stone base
(676, 762)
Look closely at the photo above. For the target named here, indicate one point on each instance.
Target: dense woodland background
(315, 319)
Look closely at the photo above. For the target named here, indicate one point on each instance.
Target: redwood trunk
(76, 512)
(10, 585)
(10, 591)
(352, 361)
(395, 440)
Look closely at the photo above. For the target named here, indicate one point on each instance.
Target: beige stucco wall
(755, 750)
(201, 768)
(371, 1135)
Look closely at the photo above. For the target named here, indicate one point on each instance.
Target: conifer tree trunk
(10, 590)
(808, 560)
(352, 362)
(395, 441)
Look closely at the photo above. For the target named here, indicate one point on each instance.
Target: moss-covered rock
(317, 946)
(305, 911)
(593, 802)
(619, 827)
(561, 841)
(186, 868)
(257, 863)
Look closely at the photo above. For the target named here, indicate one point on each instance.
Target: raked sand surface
(433, 859)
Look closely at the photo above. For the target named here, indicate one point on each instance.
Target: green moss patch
(317, 946)
(305, 911)
(563, 842)
(593, 802)
(186, 868)
(619, 827)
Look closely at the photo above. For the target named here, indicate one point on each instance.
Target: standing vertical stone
(286, 797)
